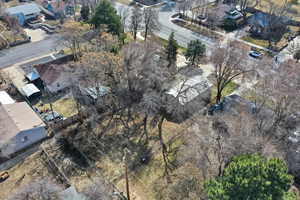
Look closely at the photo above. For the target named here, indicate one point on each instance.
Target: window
(24, 139)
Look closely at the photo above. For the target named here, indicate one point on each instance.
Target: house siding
(23, 140)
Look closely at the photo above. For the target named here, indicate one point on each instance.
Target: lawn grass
(294, 10)
(163, 42)
(145, 179)
(11, 37)
(125, 2)
(259, 42)
(227, 90)
(65, 106)
(199, 29)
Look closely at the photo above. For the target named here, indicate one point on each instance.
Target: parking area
(36, 34)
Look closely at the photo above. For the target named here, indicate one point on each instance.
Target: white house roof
(188, 89)
(5, 98)
(26, 9)
(30, 89)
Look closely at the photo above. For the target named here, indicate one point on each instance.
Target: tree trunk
(218, 97)
(126, 175)
(146, 32)
(145, 127)
(163, 146)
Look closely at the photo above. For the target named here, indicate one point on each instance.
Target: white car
(234, 14)
(255, 54)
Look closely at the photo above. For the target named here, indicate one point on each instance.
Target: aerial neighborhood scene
(149, 100)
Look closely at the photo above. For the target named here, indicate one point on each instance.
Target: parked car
(255, 54)
(51, 116)
(201, 17)
(4, 176)
(234, 14)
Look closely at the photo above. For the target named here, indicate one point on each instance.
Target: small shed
(34, 77)
(31, 91)
(24, 12)
(93, 94)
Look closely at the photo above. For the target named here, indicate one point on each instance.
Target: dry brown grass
(265, 5)
(22, 174)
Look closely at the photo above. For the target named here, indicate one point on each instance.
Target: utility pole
(125, 160)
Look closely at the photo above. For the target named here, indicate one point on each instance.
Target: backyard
(66, 106)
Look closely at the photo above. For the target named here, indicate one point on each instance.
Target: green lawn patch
(259, 42)
(227, 90)
(126, 2)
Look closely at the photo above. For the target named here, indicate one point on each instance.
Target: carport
(31, 91)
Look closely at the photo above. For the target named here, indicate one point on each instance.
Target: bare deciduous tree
(136, 21)
(229, 65)
(150, 21)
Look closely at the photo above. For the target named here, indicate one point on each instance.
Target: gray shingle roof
(26, 9)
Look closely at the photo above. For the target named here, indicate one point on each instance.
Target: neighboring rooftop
(5, 98)
(187, 90)
(30, 89)
(26, 9)
(32, 76)
(15, 118)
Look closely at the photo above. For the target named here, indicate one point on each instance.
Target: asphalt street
(182, 35)
(31, 50)
(28, 51)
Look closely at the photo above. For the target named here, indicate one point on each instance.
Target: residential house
(20, 128)
(59, 7)
(261, 24)
(187, 96)
(24, 12)
(55, 77)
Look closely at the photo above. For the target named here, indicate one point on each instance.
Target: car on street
(255, 54)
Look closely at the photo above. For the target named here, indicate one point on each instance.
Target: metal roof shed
(30, 89)
(32, 76)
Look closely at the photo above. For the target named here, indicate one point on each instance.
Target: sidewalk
(230, 36)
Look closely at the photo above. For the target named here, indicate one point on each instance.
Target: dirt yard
(22, 174)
